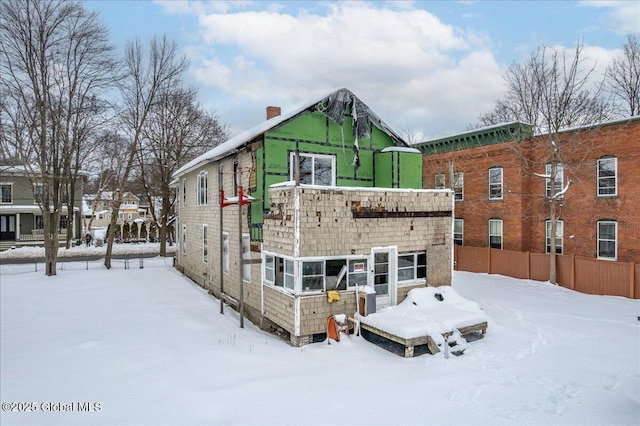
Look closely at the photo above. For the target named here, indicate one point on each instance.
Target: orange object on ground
(332, 330)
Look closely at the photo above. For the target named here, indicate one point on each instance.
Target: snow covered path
(150, 347)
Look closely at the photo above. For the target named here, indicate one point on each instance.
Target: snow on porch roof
(333, 110)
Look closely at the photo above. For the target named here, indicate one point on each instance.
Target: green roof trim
(499, 133)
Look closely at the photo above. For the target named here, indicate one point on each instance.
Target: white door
(384, 275)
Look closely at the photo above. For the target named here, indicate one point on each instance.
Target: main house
(293, 219)
(21, 222)
(499, 176)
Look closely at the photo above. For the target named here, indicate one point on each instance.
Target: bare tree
(178, 130)
(623, 76)
(552, 91)
(54, 60)
(146, 78)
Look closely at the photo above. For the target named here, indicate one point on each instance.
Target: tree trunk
(111, 231)
(552, 243)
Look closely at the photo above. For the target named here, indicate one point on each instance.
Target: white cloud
(405, 63)
(623, 17)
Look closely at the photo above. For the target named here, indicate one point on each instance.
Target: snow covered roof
(332, 105)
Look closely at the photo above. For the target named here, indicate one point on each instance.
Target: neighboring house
(21, 221)
(498, 175)
(133, 210)
(357, 216)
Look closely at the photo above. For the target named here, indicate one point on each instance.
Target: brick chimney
(273, 111)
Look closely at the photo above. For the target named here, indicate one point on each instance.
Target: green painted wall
(398, 170)
(313, 132)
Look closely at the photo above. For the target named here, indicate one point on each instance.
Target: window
(458, 231)
(412, 266)
(64, 222)
(315, 169)
(559, 237)
(129, 216)
(607, 176)
(184, 192)
(220, 178)
(495, 233)
(440, 181)
(246, 255)
(202, 188)
(39, 225)
(269, 262)
(607, 239)
(284, 273)
(495, 183)
(236, 180)
(558, 181)
(225, 252)
(312, 276)
(205, 243)
(38, 193)
(6, 193)
(184, 239)
(458, 186)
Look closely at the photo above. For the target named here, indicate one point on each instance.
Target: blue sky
(427, 68)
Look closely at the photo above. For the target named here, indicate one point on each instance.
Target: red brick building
(500, 177)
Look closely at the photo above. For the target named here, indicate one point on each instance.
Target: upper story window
(495, 183)
(184, 192)
(495, 233)
(202, 188)
(559, 236)
(458, 186)
(38, 193)
(440, 181)
(607, 239)
(315, 169)
(6, 193)
(558, 182)
(607, 177)
(458, 231)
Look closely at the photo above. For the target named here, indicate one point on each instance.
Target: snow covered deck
(431, 316)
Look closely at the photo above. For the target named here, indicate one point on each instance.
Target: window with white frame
(315, 169)
(6, 193)
(551, 190)
(495, 233)
(202, 188)
(440, 181)
(607, 239)
(205, 243)
(64, 222)
(246, 255)
(607, 177)
(225, 252)
(184, 192)
(458, 231)
(412, 266)
(38, 193)
(312, 276)
(39, 222)
(559, 236)
(269, 268)
(220, 177)
(458, 186)
(184, 239)
(283, 269)
(495, 183)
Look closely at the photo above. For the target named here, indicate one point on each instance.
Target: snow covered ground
(83, 250)
(147, 346)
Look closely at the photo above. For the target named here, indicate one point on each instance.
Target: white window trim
(205, 242)
(461, 221)
(202, 190)
(456, 176)
(183, 240)
(225, 253)
(559, 177)
(501, 183)
(35, 193)
(184, 192)
(314, 156)
(501, 222)
(415, 267)
(10, 185)
(615, 241)
(444, 181)
(547, 236)
(615, 177)
(246, 255)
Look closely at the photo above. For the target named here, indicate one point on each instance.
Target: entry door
(384, 276)
(8, 227)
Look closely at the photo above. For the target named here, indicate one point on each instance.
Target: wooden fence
(577, 273)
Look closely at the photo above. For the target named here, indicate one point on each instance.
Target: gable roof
(333, 105)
